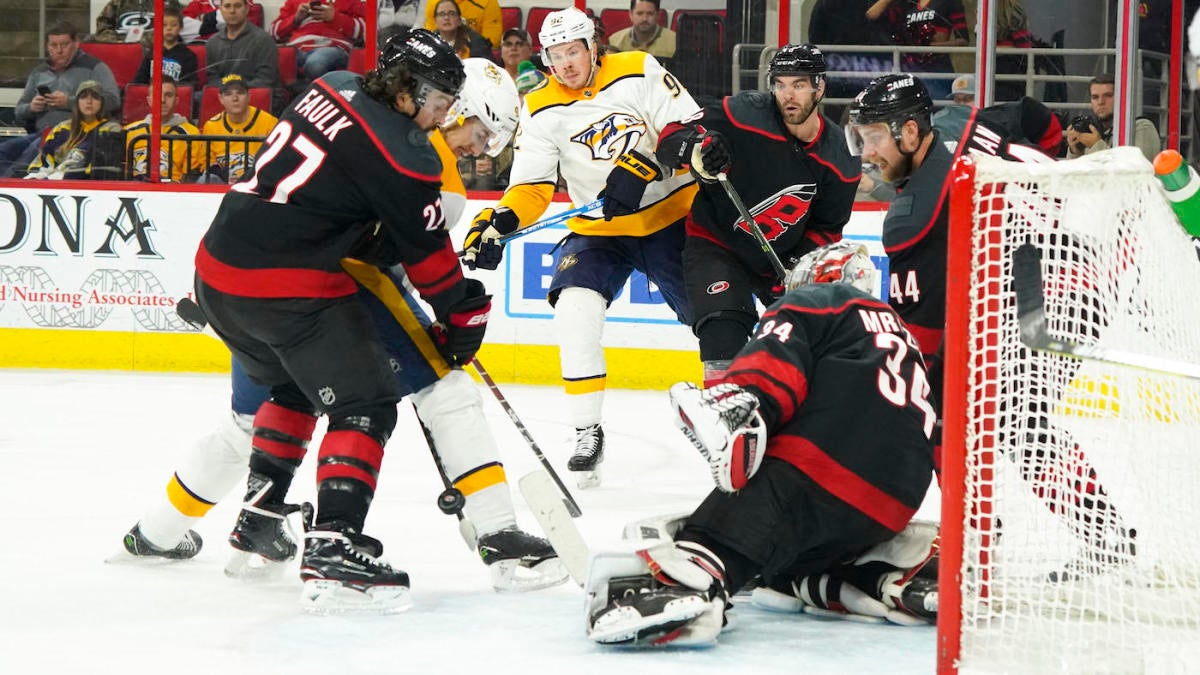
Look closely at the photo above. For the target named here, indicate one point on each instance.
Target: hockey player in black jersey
(889, 125)
(803, 486)
(269, 279)
(789, 163)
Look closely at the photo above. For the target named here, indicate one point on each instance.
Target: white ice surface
(85, 453)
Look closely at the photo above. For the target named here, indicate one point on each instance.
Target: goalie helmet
(429, 60)
(490, 95)
(566, 25)
(792, 60)
(893, 99)
(839, 262)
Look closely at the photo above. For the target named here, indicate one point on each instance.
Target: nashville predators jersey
(580, 133)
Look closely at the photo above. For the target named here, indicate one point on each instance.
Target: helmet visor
(861, 138)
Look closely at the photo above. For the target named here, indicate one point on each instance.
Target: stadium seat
(287, 65)
(135, 106)
(210, 102)
(534, 23)
(122, 58)
(201, 62)
(511, 17)
(618, 19)
(358, 61)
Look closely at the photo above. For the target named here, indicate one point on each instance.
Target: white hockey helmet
(489, 94)
(566, 25)
(840, 262)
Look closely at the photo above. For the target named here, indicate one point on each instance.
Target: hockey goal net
(1071, 486)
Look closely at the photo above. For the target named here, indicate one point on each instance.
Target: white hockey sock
(579, 326)
(213, 466)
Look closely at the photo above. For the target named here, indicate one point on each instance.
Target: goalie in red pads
(818, 438)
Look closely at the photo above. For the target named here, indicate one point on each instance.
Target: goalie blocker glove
(460, 333)
(626, 184)
(724, 424)
(482, 248)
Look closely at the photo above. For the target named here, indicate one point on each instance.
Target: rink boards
(89, 278)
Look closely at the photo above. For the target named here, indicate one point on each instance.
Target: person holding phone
(323, 33)
(49, 95)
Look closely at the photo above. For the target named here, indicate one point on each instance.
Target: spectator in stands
(175, 155)
(202, 18)
(1012, 30)
(450, 27)
(178, 61)
(951, 120)
(645, 34)
(925, 23)
(49, 94)
(528, 77)
(67, 151)
(515, 49)
(227, 162)
(242, 48)
(126, 20)
(481, 16)
(840, 22)
(395, 16)
(322, 31)
(1092, 133)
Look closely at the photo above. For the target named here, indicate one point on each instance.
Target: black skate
(589, 454)
(519, 561)
(263, 539)
(342, 572)
(643, 613)
(138, 546)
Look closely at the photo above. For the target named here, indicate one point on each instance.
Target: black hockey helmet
(795, 60)
(428, 59)
(895, 99)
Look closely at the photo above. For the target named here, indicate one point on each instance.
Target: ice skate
(342, 572)
(589, 454)
(137, 546)
(643, 613)
(519, 561)
(263, 539)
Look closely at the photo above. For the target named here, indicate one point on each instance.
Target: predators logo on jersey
(785, 208)
(612, 136)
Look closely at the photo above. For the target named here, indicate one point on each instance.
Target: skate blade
(510, 576)
(253, 568)
(324, 596)
(587, 479)
(624, 625)
(124, 557)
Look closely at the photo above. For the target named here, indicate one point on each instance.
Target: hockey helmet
(490, 95)
(894, 99)
(431, 62)
(840, 262)
(792, 60)
(566, 25)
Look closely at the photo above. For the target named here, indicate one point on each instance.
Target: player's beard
(901, 169)
(800, 115)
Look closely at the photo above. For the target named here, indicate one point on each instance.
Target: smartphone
(43, 89)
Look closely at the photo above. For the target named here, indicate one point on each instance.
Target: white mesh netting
(1081, 549)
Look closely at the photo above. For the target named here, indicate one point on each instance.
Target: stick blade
(546, 503)
(1027, 284)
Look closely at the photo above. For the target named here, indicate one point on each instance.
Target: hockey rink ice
(85, 452)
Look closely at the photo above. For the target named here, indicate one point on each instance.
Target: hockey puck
(451, 501)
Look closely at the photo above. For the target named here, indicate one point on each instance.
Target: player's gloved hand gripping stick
(479, 239)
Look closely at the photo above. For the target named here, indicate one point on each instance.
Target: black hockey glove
(481, 247)
(459, 334)
(709, 155)
(622, 193)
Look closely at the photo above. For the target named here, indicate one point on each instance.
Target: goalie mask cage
(1071, 486)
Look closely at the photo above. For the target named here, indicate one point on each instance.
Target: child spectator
(179, 62)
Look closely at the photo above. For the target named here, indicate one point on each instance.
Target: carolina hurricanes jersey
(844, 395)
(337, 161)
(916, 226)
(581, 133)
(800, 194)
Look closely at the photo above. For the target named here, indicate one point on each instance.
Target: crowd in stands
(223, 58)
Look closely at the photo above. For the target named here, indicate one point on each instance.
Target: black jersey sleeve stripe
(782, 381)
(437, 273)
(366, 128)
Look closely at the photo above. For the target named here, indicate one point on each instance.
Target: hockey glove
(724, 424)
(622, 193)
(710, 155)
(481, 247)
(459, 334)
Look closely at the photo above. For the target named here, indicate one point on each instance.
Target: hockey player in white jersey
(597, 122)
(448, 402)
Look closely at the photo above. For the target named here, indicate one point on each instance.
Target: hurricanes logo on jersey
(785, 208)
(612, 136)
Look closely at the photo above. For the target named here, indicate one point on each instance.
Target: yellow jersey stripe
(481, 478)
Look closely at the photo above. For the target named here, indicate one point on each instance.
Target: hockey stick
(755, 230)
(568, 500)
(192, 315)
(553, 220)
(550, 509)
(1031, 315)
